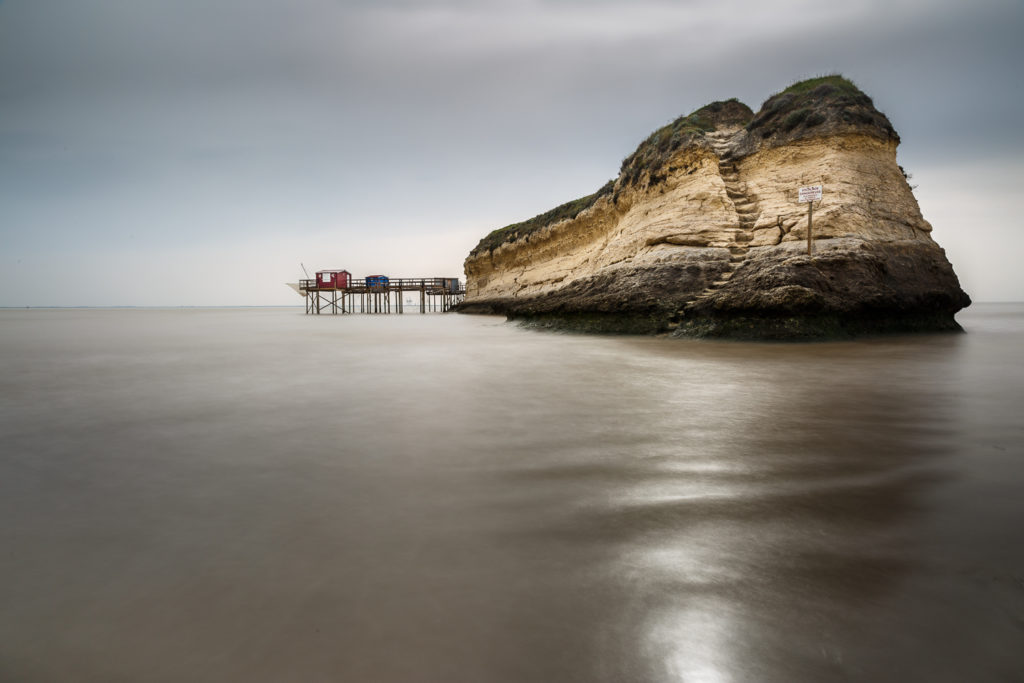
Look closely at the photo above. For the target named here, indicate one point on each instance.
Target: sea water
(260, 495)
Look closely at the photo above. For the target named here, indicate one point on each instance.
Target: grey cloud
(219, 112)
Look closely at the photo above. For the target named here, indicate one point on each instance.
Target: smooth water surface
(258, 495)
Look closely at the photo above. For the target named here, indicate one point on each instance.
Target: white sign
(811, 193)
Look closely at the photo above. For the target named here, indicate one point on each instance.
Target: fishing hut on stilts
(337, 292)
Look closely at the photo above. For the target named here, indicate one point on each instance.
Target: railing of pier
(436, 294)
(438, 284)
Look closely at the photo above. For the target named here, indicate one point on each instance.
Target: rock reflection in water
(776, 497)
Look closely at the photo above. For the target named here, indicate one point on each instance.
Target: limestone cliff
(702, 232)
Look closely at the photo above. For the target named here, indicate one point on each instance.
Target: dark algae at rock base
(702, 233)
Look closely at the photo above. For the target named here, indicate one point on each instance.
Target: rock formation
(702, 233)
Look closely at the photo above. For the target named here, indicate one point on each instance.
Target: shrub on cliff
(654, 153)
(516, 231)
(817, 106)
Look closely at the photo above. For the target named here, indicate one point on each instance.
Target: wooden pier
(436, 294)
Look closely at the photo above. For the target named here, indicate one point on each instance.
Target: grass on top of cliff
(653, 153)
(837, 81)
(650, 158)
(819, 106)
(516, 231)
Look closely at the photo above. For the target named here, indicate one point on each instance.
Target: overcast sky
(195, 152)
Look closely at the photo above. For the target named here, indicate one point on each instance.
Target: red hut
(333, 279)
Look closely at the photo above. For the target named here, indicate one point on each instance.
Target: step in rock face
(702, 233)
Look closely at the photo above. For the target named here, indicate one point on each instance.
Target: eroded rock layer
(702, 233)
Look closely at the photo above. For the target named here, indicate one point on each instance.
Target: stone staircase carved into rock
(745, 204)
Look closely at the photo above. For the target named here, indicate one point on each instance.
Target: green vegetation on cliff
(563, 212)
(649, 157)
(653, 153)
(816, 106)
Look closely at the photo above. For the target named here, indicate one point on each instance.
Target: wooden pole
(810, 218)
